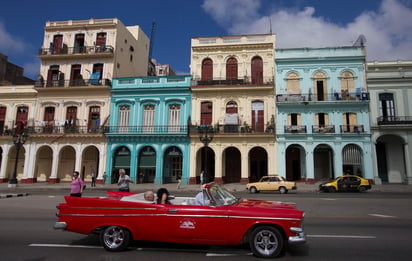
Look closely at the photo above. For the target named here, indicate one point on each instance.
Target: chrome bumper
(60, 225)
(300, 238)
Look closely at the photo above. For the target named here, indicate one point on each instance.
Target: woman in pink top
(76, 186)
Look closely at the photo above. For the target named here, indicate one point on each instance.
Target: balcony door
(257, 70)
(231, 69)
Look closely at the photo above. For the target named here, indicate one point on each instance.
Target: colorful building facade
(322, 113)
(148, 129)
(390, 86)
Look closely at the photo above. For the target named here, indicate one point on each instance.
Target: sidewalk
(25, 189)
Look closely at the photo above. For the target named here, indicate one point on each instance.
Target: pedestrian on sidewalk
(76, 186)
(124, 181)
(202, 177)
(93, 178)
(179, 180)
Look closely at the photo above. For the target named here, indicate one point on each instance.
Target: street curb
(13, 195)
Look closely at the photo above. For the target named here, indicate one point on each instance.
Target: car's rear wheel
(331, 189)
(266, 242)
(115, 238)
(362, 189)
(253, 190)
(283, 190)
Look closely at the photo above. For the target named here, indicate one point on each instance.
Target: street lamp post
(206, 134)
(18, 140)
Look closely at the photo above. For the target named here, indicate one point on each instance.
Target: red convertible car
(220, 219)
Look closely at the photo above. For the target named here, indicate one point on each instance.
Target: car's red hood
(251, 203)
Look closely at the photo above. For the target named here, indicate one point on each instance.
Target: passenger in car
(163, 196)
(149, 196)
(201, 199)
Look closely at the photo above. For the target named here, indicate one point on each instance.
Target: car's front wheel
(331, 189)
(266, 242)
(115, 238)
(253, 190)
(362, 189)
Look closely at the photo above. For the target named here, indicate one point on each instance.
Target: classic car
(120, 217)
(271, 183)
(345, 183)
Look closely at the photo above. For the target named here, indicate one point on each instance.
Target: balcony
(357, 129)
(336, 97)
(147, 130)
(394, 120)
(229, 82)
(323, 129)
(72, 83)
(295, 129)
(231, 129)
(102, 50)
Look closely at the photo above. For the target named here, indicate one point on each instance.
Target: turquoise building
(322, 113)
(147, 131)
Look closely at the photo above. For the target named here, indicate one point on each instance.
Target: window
(320, 86)
(292, 84)
(231, 69)
(386, 106)
(148, 118)
(258, 116)
(79, 44)
(347, 84)
(206, 113)
(101, 42)
(123, 121)
(257, 70)
(349, 122)
(174, 118)
(207, 70)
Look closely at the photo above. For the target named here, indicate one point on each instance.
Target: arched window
(292, 84)
(207, 69)
(231, 69)
(174, 118)
(123, 119)
(231, 107)
(148, 118)
(206, 113)
(347, 83)
(319, 86)
(257, 70)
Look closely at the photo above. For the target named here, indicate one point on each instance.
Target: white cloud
(388, 31)
(10, 43)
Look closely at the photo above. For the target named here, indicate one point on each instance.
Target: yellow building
(233, 100)
(65, 119)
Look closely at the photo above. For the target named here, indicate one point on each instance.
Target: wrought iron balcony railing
(323, 129)
(309, 97)
(295, 129)
(394, 120)
(238, 81)
(77, 50)
(72, 83)
(352, 129)
(148, 130)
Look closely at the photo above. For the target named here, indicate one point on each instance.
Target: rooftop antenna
(152, 40)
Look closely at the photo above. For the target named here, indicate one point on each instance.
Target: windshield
(220, 196)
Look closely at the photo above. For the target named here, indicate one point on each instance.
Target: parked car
(266, 226)
(346, 183)
(271, 183)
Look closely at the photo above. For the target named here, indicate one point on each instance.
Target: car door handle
(172, 210)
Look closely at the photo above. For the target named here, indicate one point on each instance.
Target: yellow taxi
(271, 183)
(346, 183)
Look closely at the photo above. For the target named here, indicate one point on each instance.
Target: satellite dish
(360, 41)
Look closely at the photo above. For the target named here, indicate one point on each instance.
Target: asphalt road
(356, 226)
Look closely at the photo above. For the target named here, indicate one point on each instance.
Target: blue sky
(386, 24)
